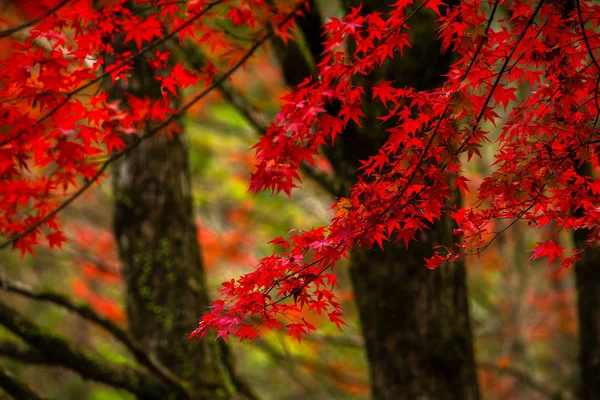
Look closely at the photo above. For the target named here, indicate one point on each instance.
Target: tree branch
(194, 57)
(15, 387)
(308, 49)
(28, 24)
(323, 179)
(59, 351)
(86, 312)
(149, 134)
(586, 40)
(294, 61)
(240, 384)
(353, 342)
(22, 354)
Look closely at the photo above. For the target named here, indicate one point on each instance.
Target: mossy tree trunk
(157, 239)
(415, 321)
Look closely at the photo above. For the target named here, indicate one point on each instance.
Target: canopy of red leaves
(60, 132)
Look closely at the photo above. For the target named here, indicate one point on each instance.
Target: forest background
(522, 310)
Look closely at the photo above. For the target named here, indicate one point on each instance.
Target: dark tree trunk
(587, 282)
(415, 321)
(157, 240)
(587, 275)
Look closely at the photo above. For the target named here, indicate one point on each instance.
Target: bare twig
(585, 37)
(353, 342)
(326, 370)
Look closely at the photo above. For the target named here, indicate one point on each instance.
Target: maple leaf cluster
(60, 131)
(546, 141)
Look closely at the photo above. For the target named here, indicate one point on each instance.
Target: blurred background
(522, 311)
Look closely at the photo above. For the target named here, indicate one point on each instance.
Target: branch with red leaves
(32, 229)
(399, 192)
(405, 187)
(29, 24)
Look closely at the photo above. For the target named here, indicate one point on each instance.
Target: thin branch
(311, 363)
(10, 31)
(585, 37)
(16, 388)
(63, 205)
(194, 57)
(586, 40)
(353, 342)
(326, 181)
(240, 384)
(142, 355)
(58, 350)
(98, 263)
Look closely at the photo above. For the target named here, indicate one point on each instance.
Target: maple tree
(62, 130)
(399, 193)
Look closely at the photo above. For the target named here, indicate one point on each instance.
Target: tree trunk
(157, 240)
(587, 283)
(415, 321)
(587, 277)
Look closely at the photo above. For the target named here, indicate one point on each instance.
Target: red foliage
(96, 259)
(51, 131)
(402, 189)
(103, 305)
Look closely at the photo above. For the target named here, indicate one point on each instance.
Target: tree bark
(587, 283)
(587, 277)
(157, 241)
(415, 321)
